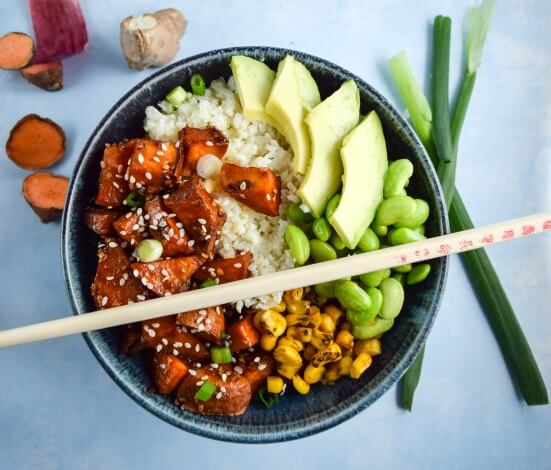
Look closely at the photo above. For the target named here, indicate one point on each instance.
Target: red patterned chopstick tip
(59, 29)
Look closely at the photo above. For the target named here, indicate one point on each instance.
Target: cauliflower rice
(251, 143)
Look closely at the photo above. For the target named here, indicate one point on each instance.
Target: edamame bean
(296, 215)
(403, 268)
(395, 209)
(298, 244)
(321, 251)
(337, 242)
(397, 177)
(418, 274)
(362, 317)
(332, 205)
(380, 230)
(419, 217)
(401, 236)
(375, 327)
(393, 298)
(149, 250)
(369, 241)
(325, 289)
(374, 278)
(351, 296)
(321, 229)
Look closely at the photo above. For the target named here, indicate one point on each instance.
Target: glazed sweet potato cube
(165, 228)
(169, 276)
(243, 334)
(208, 324)
(196, 143)
(100, 220)
(184, 344)
(131, 227)
(257, 368)
(199, 212)
(131, 340)
(151, 167)
(225, 270)
(168, 373)
(113, 188)
(257, 188)
(114, 284)
(155, 330)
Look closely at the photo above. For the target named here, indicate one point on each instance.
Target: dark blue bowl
(296, 416)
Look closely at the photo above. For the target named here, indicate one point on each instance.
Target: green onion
(492, 297)
(198, 86)
(208, 283)
(134, 199)
(220, 355)
(149, 250)
(176, 96)
(269, 399)
(205, 391)
(224, 335)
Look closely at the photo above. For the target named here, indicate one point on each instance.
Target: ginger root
(153, 39)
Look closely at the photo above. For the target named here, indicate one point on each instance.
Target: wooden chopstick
(284, 280)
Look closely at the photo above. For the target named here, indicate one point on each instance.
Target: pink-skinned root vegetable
(59, 29)
(48, 76)
(153, 39)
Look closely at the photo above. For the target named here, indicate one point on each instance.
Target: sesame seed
(178, 344)
(168, 294)
(149, 286)
(214, 365)
(162, 366)
(126, 177)
(175, 352)
(122, 233)
(199, 383)
(268, 197)
(202, 312)
(151, 333)
(151, 267)
(261, 366)
(164, 272)
(159, 348)
(191, 243)
(160, 153)
(109, 278)
(156, 159)
(148, 175)
(243, 186)
(102, 164)
(104, 301)
(205, 377)
(117, 185)
(139, 185)
(202, 221)
(187, 345)
(223, 389)
(197, 347)
(164, 341)
(113, 244)
(125, 276)
(144, 281)
(135, 227)
(140, 158)
(257, 359)
(142, 297)
(224, 377)
(122, 281)
(177, 144)
(132, 180)
(209, 143)
(219, 395)
(193, 372)
(166, 196)
(164, 147)
(238, 369)
(237, 265)
(162, 223)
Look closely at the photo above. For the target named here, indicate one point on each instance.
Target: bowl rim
(298, 428)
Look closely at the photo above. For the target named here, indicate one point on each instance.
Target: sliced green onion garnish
(176, 96)
(198, 86)
(208, 283)
(134, 199)
(220, 355)
(205, 391)
(269, 399)
(149, 250)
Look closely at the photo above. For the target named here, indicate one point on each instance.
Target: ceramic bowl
(296, 416)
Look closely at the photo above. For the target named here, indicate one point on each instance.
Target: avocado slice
(254, 81)
(328, 123)
(288, 108)
(364, 157)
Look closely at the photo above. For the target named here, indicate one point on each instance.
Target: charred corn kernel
(287, 370)
(300, 333)
(309, 352)
(312, 374)
(332, 353)
(274, 384)
(327, 324)
(321, 340)
(300, 385)
(345, 339)
(345, 365)
(272, 322)
(296, 319)
(360, 365)
(334, 312)
(346, 326)
(293, 295)
(299, 307)
(268, 342)
(290, 342)
(332, 374)
(287, 355)
(280, 307)
(315, 315)
(368, 346)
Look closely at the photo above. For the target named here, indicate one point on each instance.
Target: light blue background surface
(58, 409)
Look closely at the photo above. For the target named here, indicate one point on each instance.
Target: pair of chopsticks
(284, 280)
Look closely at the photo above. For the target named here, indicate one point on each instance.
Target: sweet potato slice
(113, 188)
(164, 335)
(114, 284)
(168, 373)
(48, 76)
(165, 228)
(243, 334)
(35, 143)
(131, 227)
(46, 193)
(231, 396)
(257, 188)
(208, 324)
(100, 220)
(199, 212)
(131, 340)
(196, 143)
(257, 368)
(16, 50)
(168, 276)
(225, 270)
(151, 167)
